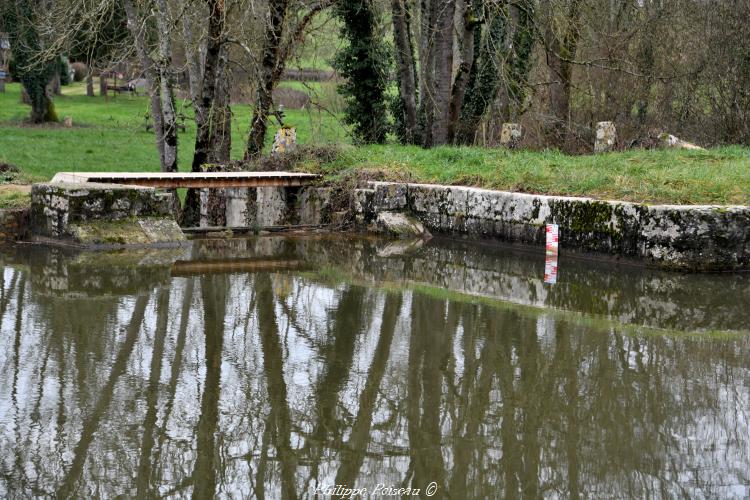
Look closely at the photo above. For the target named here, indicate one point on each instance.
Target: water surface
(279, 367)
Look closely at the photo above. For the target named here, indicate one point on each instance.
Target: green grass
(111, 136)
(717, 176)
(14, 196)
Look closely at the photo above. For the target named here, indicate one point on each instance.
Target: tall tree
(276, 49)
(471, 19)
(166, 85)
(364, 65)
(211, 101)
(406, 113)
(29, 65)
(160, 93)
(562, 35)
(271, 68)
(443, 71)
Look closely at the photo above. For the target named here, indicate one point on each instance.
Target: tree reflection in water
(272, 384)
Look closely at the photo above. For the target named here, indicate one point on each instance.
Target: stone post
(271, 206)
(236, 208)
(285, 141)
(511, 135)
(606, 137)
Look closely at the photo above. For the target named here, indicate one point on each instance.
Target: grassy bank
(110, 135)
(716, 176)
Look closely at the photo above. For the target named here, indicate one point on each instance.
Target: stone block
(92, 213)
(428, 199)
(704, 238)
(363, 206)
(511, 135)
(314, 205)
(237, 207)
(389, 196)
(285, 141)
(271, 206)
(606, 137)
(690, 238)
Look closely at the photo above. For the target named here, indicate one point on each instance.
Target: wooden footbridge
(190, 179)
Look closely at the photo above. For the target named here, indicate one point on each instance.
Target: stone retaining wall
(102, 214)
(690, 238)
(14, 224)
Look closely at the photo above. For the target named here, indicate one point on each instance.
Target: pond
(296, 366)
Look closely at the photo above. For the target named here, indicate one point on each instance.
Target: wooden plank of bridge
(190, 179)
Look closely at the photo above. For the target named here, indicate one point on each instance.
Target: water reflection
(267, 369)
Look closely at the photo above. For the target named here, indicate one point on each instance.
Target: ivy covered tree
(364, 63)
(29, 65)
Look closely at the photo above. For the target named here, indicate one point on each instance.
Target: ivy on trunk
(364, 64)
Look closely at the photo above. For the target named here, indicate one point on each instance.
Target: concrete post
(271, 206)
(606, 137)
(236, 209)
(511, 135)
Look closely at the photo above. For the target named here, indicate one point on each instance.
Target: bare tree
(160, 91)
(276, 50)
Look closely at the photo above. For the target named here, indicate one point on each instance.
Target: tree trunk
(55, 84)
(102, 84)
(470, 22)
(221, 120)
(206, 107)
(42, 107)
(150, 73)
(89, 84)
(520, 46)
(192, 56)
(443, 70)
(427, 68)
(166, 95)
(266, 81)
(406, 67)
(561, 49)
(559, 98)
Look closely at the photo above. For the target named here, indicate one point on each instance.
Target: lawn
(716, 176)
(111, 136)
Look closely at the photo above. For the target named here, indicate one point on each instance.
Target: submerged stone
(401, 225)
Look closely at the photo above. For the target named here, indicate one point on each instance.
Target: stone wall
(102, 214)
(690, 238)
(271, 206)
(14, 224)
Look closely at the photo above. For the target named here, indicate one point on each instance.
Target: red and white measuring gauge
(550, 259)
